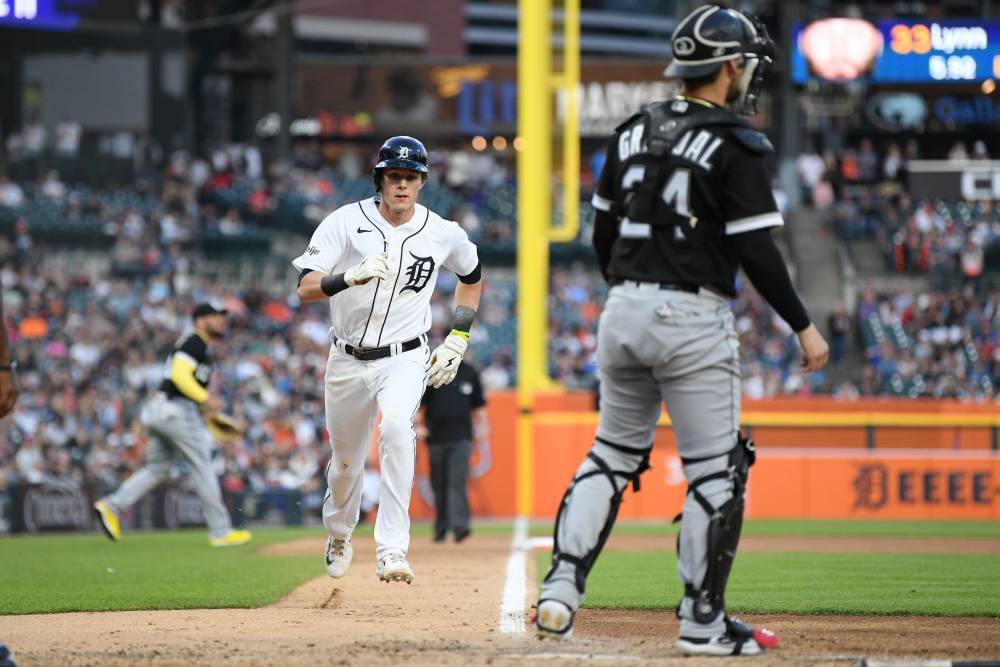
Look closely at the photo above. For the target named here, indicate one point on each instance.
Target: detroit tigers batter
(683, 201)
(376, 261)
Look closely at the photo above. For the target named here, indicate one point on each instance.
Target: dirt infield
(449, 617)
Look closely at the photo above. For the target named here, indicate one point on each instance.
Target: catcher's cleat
(553, 619)
(764, 637)
(393, 567)
(233, 538)
(109, 521)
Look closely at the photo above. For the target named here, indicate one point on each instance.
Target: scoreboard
(925, 51)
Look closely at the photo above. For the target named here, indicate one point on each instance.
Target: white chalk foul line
(515, 590)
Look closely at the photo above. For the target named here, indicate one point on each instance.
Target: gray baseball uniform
(683, 200)
(177, 431)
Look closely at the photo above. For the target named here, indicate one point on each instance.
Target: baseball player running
(684, 200)
(175, 419)
(377, 261)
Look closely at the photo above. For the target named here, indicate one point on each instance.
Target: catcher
(178, 418)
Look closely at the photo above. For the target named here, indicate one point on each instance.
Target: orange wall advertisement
(801, 472)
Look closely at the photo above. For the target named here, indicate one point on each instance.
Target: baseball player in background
(376, 261)
(175, 420)
(9, 386)
(683, 201)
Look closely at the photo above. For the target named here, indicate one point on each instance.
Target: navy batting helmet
(403, 153)
(711, 35)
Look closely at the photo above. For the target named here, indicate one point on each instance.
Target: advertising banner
(462, 98)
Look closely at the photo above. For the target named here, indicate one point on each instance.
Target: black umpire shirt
(718, 183)
(448, 409)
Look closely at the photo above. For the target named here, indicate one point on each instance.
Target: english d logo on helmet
(400, 152)
(712, 35)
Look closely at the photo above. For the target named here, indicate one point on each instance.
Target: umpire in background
(684, 200)
(453, 415)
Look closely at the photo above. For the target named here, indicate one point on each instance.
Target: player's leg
(700, 382)
(630, 406)
(458, 497)
(189, 435)
(399, 385)
(438, 455)
(350, 414)
(159, 458)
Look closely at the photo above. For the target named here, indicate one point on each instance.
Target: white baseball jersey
(397, 309)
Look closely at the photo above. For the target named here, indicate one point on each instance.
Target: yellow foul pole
(569, 83)
(534, 114)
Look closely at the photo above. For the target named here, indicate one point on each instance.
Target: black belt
(677, 287)
(373, 353)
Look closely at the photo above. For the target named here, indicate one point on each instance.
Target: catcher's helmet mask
(712, 35)
(402, 153)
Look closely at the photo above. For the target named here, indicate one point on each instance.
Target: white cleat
(393, 567)
(339, 554)
(554, 619)
(726, 644)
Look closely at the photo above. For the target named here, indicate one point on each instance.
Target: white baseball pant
(354, 390)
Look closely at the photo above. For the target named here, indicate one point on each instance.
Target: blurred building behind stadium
(157, 153)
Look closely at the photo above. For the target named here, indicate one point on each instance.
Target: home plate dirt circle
(449, 616)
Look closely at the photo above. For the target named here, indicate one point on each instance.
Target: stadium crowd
(860, 191)
(939, 344)
(91, 349)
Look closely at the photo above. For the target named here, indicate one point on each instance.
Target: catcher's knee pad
(723, 531)
(592, 501)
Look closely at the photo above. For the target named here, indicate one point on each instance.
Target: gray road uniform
(684, 199)
(177, 431)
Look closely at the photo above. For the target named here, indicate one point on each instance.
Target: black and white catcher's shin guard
(584, 521)
(709, 535)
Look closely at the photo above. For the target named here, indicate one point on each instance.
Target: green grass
(159, 570)
(809, 583)
(178, 570)
(826, 528)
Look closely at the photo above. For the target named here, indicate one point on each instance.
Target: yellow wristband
(463, 334)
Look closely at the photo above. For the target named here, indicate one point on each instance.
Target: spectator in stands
(979, 151)
(893, 162)
(11, 194)
(839, 325)
(958, 152)
(849, 170)
(810, 168)
(972, 262)
(867, 161)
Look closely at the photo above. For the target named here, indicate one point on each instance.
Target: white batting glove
(446, 359)
(372, 266)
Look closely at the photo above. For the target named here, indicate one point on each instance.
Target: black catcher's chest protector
(648, 199)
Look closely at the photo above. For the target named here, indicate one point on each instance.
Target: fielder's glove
(223, 427)
(372, 266)
(445, 360)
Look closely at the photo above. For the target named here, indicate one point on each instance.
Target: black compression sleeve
(766, 269)
(464, 317)
(605, 233)
(331, 285)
